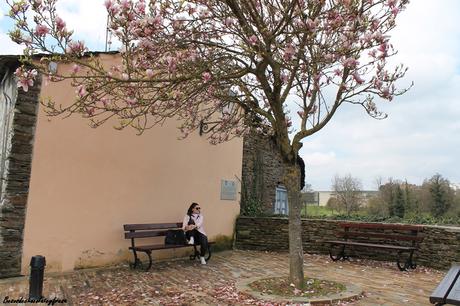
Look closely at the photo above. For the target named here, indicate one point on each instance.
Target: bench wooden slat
(164, 246)
(439, 295)
(373, 245)
(381, 235)
(145, 234)
(405, 227)
(151, 226)
(454, 294)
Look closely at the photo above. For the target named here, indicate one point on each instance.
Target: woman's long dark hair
(190, 209)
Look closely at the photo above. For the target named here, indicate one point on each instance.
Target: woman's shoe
(203, 261)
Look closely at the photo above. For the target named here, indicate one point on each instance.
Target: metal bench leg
(409, 263)
(149, 254)
(341, 255)
(209, 252)
(398, 263)
(412, 264)
(195, 254)
(136, 263)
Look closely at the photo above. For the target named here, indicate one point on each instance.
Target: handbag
(175, 237)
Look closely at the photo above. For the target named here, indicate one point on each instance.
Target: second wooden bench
(402, 238)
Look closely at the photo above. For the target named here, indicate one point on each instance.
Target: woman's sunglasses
(198, 208)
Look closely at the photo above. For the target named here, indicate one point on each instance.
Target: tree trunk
(292, 184)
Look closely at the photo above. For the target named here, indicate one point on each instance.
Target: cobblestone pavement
(185, 282)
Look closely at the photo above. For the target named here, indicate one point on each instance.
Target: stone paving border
(351, 292)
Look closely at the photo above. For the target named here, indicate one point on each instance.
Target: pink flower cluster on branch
(191, 59)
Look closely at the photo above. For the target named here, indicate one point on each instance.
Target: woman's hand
(190, 227)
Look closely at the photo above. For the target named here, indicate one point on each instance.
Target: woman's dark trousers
(200, 239)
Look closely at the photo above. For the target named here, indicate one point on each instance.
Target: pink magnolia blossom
(90, 111)
(108, 4)
(289, 52)
(125, 4)
(357, 78)
(25, 78)
(140, 7)
(41, 30)
(76, 47)
(37, 4)
(60, 24)
(131, 101)
(229, 21)
(391, 3)
(75, 68)
(81, 91)
(149, 73)
(125, 76)
(206, 77)
(311, 25)
(25, 84)
(350, 62)
(386, 92)
(172, 63)
(253, 40)
(105, 101)
(157, 21)
(284, 78)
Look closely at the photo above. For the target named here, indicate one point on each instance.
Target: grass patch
(315, 211)
(282, 287)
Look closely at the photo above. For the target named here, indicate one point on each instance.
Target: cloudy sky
(420, 137)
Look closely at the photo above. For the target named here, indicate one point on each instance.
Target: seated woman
(194, 230)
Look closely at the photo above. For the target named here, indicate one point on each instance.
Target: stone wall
(262, 171)
(440, 247)
(14, 201)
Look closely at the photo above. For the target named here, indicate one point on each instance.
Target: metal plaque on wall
(227, 190)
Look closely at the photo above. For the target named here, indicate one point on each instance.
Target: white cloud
(9, 47)
(88, 20)
(319, 159)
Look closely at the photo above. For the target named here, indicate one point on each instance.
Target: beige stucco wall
(86, 183)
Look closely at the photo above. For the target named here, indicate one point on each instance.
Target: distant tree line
(436, 198)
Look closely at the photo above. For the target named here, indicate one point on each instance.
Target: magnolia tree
(191, 60)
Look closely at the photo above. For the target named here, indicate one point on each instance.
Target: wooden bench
(150, 230)
(448, 290)
(403, 239)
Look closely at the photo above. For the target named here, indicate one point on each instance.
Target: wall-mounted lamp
(205, 126)
(228, 108)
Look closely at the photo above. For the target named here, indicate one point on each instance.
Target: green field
(315, 211)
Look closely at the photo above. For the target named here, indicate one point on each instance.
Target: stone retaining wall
(440, 247)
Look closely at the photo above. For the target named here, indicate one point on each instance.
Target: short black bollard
(37, 269)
